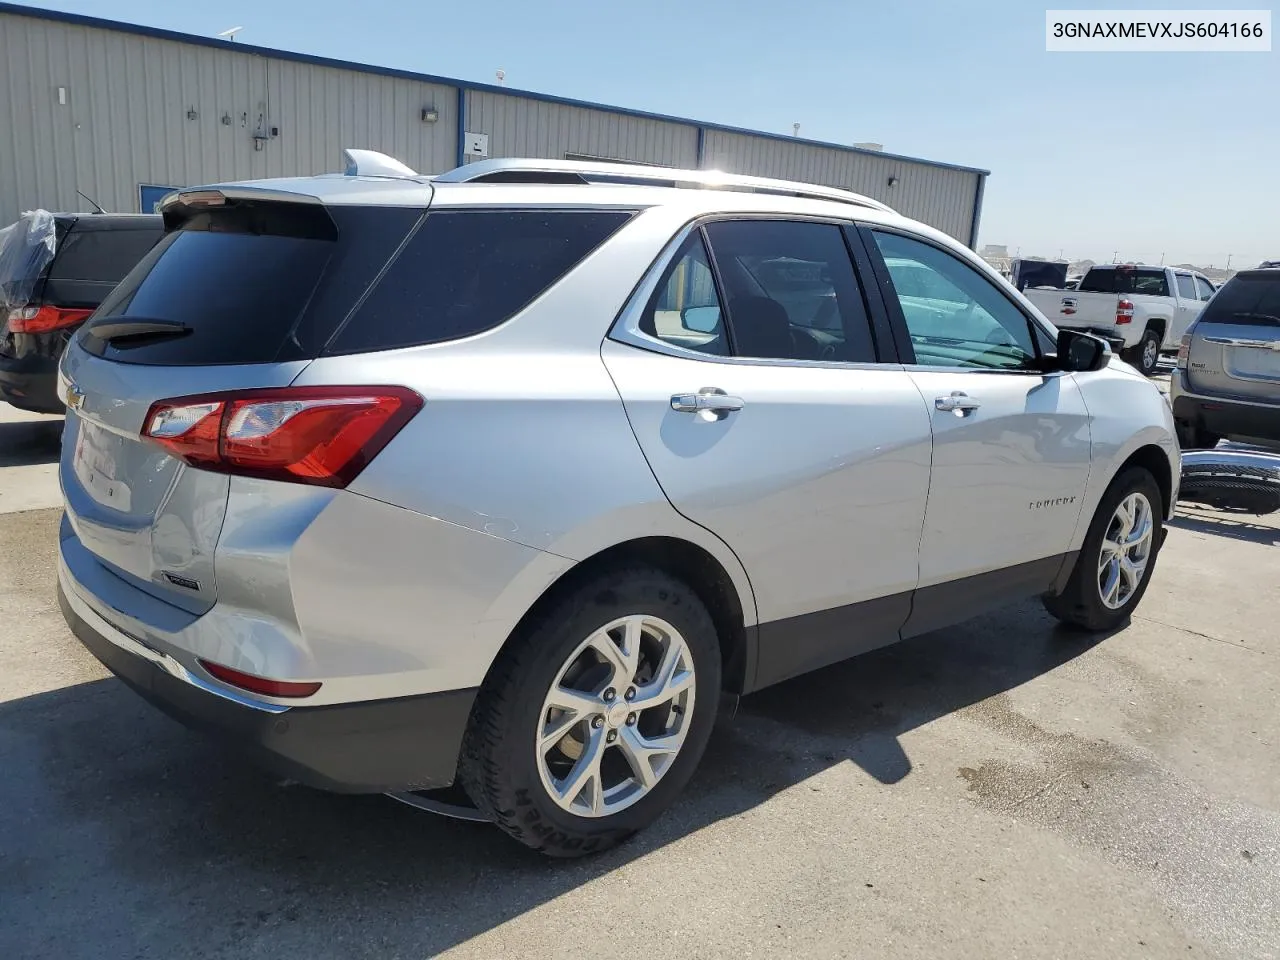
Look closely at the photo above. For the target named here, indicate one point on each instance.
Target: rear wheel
(1145, 355)
(591, 723)
(1117, 558)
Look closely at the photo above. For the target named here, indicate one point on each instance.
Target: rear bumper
(407, 743)
(1228, 417)
(31, 383)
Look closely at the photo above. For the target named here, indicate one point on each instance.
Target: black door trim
(946, 604)
(787, 648)
(799, 644)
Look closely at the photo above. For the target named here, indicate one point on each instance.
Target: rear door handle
(958, 403)
(712, 400)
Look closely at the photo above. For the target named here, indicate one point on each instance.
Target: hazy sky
(1089, 153)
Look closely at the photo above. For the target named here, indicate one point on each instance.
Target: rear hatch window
(263, 281)
(93, 256)
(1251, 299)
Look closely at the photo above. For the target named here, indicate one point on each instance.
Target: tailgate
(147, 516)
(241, 294)
(1235, 345)
(1236, 360)
(1077, 311)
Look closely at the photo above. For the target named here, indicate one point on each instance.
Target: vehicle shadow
(27, 442)
(1236, 526)
(125, 834)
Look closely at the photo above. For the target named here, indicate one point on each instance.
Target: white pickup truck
(1143, 311)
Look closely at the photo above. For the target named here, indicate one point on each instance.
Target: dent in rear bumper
(374, 601)
(406, 743)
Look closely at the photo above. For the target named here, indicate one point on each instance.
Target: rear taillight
(44, 319)
(1124, 312)
(317, 435)
(262, 685)
(1184, 351)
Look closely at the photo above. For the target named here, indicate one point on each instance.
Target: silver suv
(506, 477)
(1227, 380)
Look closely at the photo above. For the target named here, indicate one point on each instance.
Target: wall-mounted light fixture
(430, 115)
(226, 119)
(62, 96)
(191, 113)
(893, 181)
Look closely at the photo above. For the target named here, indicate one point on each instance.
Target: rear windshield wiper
(112, 330)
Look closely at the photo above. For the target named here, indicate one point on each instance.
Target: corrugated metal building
(124, 113)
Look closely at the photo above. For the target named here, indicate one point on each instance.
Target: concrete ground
(1002, 789)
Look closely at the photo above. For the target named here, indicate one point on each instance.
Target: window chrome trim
(626, 327)
(985, 371)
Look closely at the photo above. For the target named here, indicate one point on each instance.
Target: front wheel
(1145, 354)
(1118, 556)
(593, 720)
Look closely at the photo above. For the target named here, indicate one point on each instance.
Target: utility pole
(1162, 259)
(1115, 257)
(1229, 256)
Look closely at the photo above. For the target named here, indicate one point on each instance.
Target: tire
(1081, 603)
(1192, 436)
(511, 778)
(1145, 354)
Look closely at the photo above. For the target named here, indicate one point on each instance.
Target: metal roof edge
(158, 33)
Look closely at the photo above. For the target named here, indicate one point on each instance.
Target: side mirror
(700, 319)
(1079, 352)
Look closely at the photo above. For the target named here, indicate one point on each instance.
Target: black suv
(54, 271)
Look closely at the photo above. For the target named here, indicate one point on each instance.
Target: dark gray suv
(1227, 381)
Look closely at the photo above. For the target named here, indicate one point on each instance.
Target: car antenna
(97, 207)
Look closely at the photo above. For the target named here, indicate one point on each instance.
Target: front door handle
(712, 401)
(958, 403)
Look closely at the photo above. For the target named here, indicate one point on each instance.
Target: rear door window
(467, 271)
(1204, 288)
(685, 310)
(791, 291)
(1187, 287)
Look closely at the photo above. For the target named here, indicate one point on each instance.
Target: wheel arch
(692, 564)
(1156, 462)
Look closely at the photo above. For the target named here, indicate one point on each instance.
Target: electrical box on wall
(475, 144)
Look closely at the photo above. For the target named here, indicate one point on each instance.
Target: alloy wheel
(1126, 550)
(1150, 354)
(616, 716)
